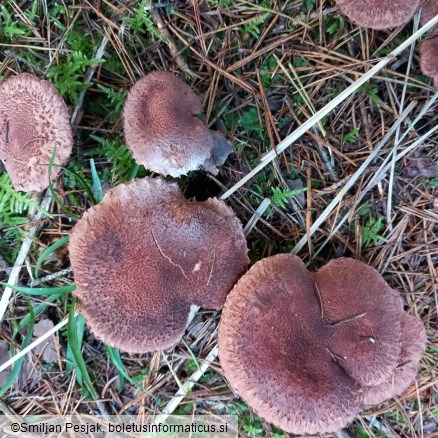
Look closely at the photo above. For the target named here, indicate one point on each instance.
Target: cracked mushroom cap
(429, 59)
(33, 121)
(378, 14)
(298, 347)
(429, 9)
(145, 254)
(413, 347)
(162, 131)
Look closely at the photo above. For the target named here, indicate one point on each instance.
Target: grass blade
(319, 115)
(114, 355)
(41, 290)
(48, 251)
(195, 360)
(71, 362)
(133, 172)
(53, 193)
(83, 182)
(72, 334)
(97, 185)
(19, 363)
(37, 310)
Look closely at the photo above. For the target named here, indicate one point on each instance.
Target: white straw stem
(290, 139)
(376, 179)
(31, 346)
(256, 216)
(349, 184)
(188, 385)
(24, 250)
(397, 134)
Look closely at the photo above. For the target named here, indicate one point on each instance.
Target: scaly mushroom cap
(369, 342)
(145, 254)
(161, 129)
(33, 121)
(429, 9)
(379, 14)
(429, 59)
(297, 346)
(413, 347)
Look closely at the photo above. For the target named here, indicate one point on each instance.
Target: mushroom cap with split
(145, 254)
(162, 131)
(300, 347)
(33, 121)
(379, 14)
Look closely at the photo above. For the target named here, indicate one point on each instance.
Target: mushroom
(299, 347)
(429, 9)
(33, 121)
(413, 347)
(379, 14)
(429, 59)
(161, 129)
(145, 254)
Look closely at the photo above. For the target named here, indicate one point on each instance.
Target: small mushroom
(429, 59)
(299, 347)
(379, 14)
(33, 121)
(145, 254)
(161, 129)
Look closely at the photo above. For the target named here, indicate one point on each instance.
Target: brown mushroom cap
(145, 254)
(161, 129)
(413, 347)
(298, 346)
(379, 14)
(369, 345)
(429, 59)
(429, 9)
(33, 121)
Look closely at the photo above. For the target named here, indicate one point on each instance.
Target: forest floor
(262, 68)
